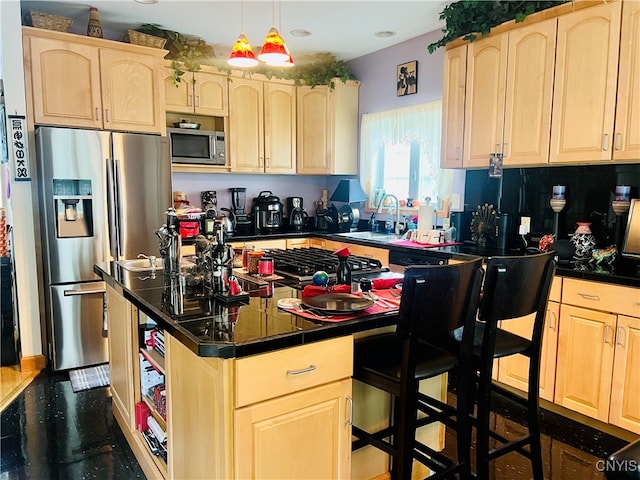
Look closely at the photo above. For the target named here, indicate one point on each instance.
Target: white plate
(288, 303)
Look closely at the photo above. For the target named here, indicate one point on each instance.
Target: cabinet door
(121, 355)
(527, 122)
(627, 127)
(585, 84)
(303, 435)
(585, 361)
(66, 83)
(211, 94)
(485, 97)
(514, 370)
(178, 97)
(453, 95)
(246, 126)
(131, 91)
(313, 130)
(280, 127)
(625, 401)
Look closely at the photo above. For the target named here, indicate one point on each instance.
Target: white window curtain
(418, 124)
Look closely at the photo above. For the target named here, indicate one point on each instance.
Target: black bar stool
(434, 335)
(514, 287)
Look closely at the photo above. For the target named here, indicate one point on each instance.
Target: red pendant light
(274, 51)
(242, 54)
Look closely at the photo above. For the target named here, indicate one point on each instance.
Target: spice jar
(265, 266)
(252, 263)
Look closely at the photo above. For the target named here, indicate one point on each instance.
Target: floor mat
(88, 378)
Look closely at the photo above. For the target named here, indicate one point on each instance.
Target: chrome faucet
(151, 258)
(398, 225)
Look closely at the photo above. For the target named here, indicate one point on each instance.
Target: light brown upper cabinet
(585, 85)
(205, 92)
(328, 129)
(626, 137)
(262, 126)
(453, 95)
(79, 81)
(507, 101)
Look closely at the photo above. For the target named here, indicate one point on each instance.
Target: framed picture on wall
(407, 78)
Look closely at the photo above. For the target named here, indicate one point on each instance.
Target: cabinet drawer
(601, 296)
(273, 374)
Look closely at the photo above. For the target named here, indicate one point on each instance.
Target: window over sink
(400, 154)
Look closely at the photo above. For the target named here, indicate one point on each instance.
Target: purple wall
(377, 71)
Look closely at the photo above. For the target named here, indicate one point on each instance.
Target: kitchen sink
(377, 236)
(143, 264)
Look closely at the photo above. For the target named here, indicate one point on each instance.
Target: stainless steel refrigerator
(102, 195)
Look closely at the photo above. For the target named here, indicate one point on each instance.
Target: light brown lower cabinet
(598, 367)
(590, 352)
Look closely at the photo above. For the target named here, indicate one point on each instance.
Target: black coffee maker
(297, 215)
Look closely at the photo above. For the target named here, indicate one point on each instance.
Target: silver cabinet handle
(589, 296)
(605, 142)
(458, 150)
(106, 115)
(261, 161)
(497, 148)
(349, 421)
(618, 141)
(621, 337)
(190, 101)
(504, 149)
(310, 368)
(552, 319)
(607, 330)
(197, 100)
(97, 114)
(268, 162)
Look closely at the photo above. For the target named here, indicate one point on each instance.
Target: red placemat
(410, 243)
(389, 303)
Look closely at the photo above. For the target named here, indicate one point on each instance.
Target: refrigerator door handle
(111, 208)
(85, 291)
(117, 170)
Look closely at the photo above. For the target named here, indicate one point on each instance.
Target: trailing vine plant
(189, 52)
(470, 18)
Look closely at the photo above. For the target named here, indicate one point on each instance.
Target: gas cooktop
(301, 263)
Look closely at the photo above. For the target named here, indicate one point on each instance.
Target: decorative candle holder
(619, 207)
(557, 204)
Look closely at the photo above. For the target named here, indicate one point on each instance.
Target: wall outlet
(455, 201)
(525, 225)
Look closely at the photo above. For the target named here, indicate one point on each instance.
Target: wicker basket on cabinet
(49, 21)
(144, 39)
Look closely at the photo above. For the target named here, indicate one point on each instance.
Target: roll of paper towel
(425, 217)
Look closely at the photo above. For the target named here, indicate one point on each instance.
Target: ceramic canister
(584, 241)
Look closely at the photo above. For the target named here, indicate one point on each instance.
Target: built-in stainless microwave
(197, 146)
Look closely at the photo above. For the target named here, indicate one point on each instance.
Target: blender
(238, 207)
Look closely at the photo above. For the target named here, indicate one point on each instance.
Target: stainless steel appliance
(197, 146)
(102, 195)
(297, 215)
(301, 263)
(267, 212)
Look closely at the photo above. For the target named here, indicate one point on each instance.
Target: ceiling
(344, 28)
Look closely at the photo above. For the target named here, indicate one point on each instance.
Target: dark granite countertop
(214, 329)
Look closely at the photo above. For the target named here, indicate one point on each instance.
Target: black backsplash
(527, 191)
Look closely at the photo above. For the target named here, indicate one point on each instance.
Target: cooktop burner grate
(301, 263)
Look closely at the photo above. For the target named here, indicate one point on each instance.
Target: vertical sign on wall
(18, 145)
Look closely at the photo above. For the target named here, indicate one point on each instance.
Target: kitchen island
(242, 390)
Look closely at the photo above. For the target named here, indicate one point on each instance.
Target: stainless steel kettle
(228, 222)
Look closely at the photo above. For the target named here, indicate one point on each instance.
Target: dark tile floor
(49, 432)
